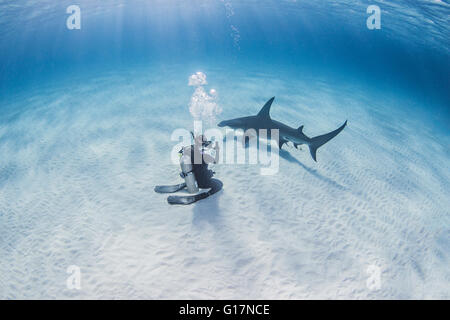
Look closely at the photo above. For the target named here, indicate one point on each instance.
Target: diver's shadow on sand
(207, 210)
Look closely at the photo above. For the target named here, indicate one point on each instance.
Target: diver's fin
(319, 141)
(266, 109)
(215, 185)
(187, 199)
(170, 189)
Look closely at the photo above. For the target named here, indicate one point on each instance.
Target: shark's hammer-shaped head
(232, 123)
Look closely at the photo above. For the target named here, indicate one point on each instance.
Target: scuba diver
(200, 154)
(194, 161)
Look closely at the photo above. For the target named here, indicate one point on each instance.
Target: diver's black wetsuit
(202, 174)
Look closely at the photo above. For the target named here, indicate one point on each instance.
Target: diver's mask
(206, 144)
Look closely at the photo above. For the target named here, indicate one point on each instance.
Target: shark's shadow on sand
(290, 158)
(208, 209)
(287, 156)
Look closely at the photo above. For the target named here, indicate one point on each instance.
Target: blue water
(86, 117)
(409, 52)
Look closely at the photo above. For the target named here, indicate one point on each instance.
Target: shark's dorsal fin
(300, 129)
(266, 109)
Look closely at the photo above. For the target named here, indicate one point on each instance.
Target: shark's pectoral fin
(246, 138)
(281, 142)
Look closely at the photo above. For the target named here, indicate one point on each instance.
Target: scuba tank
(187, 174)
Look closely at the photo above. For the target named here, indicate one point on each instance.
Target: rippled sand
(79, 162)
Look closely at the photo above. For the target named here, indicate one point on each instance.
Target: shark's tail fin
(319, 141)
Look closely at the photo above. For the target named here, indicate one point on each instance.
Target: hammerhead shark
(286, 134)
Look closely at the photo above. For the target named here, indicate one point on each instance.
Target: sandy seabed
(79, 161)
